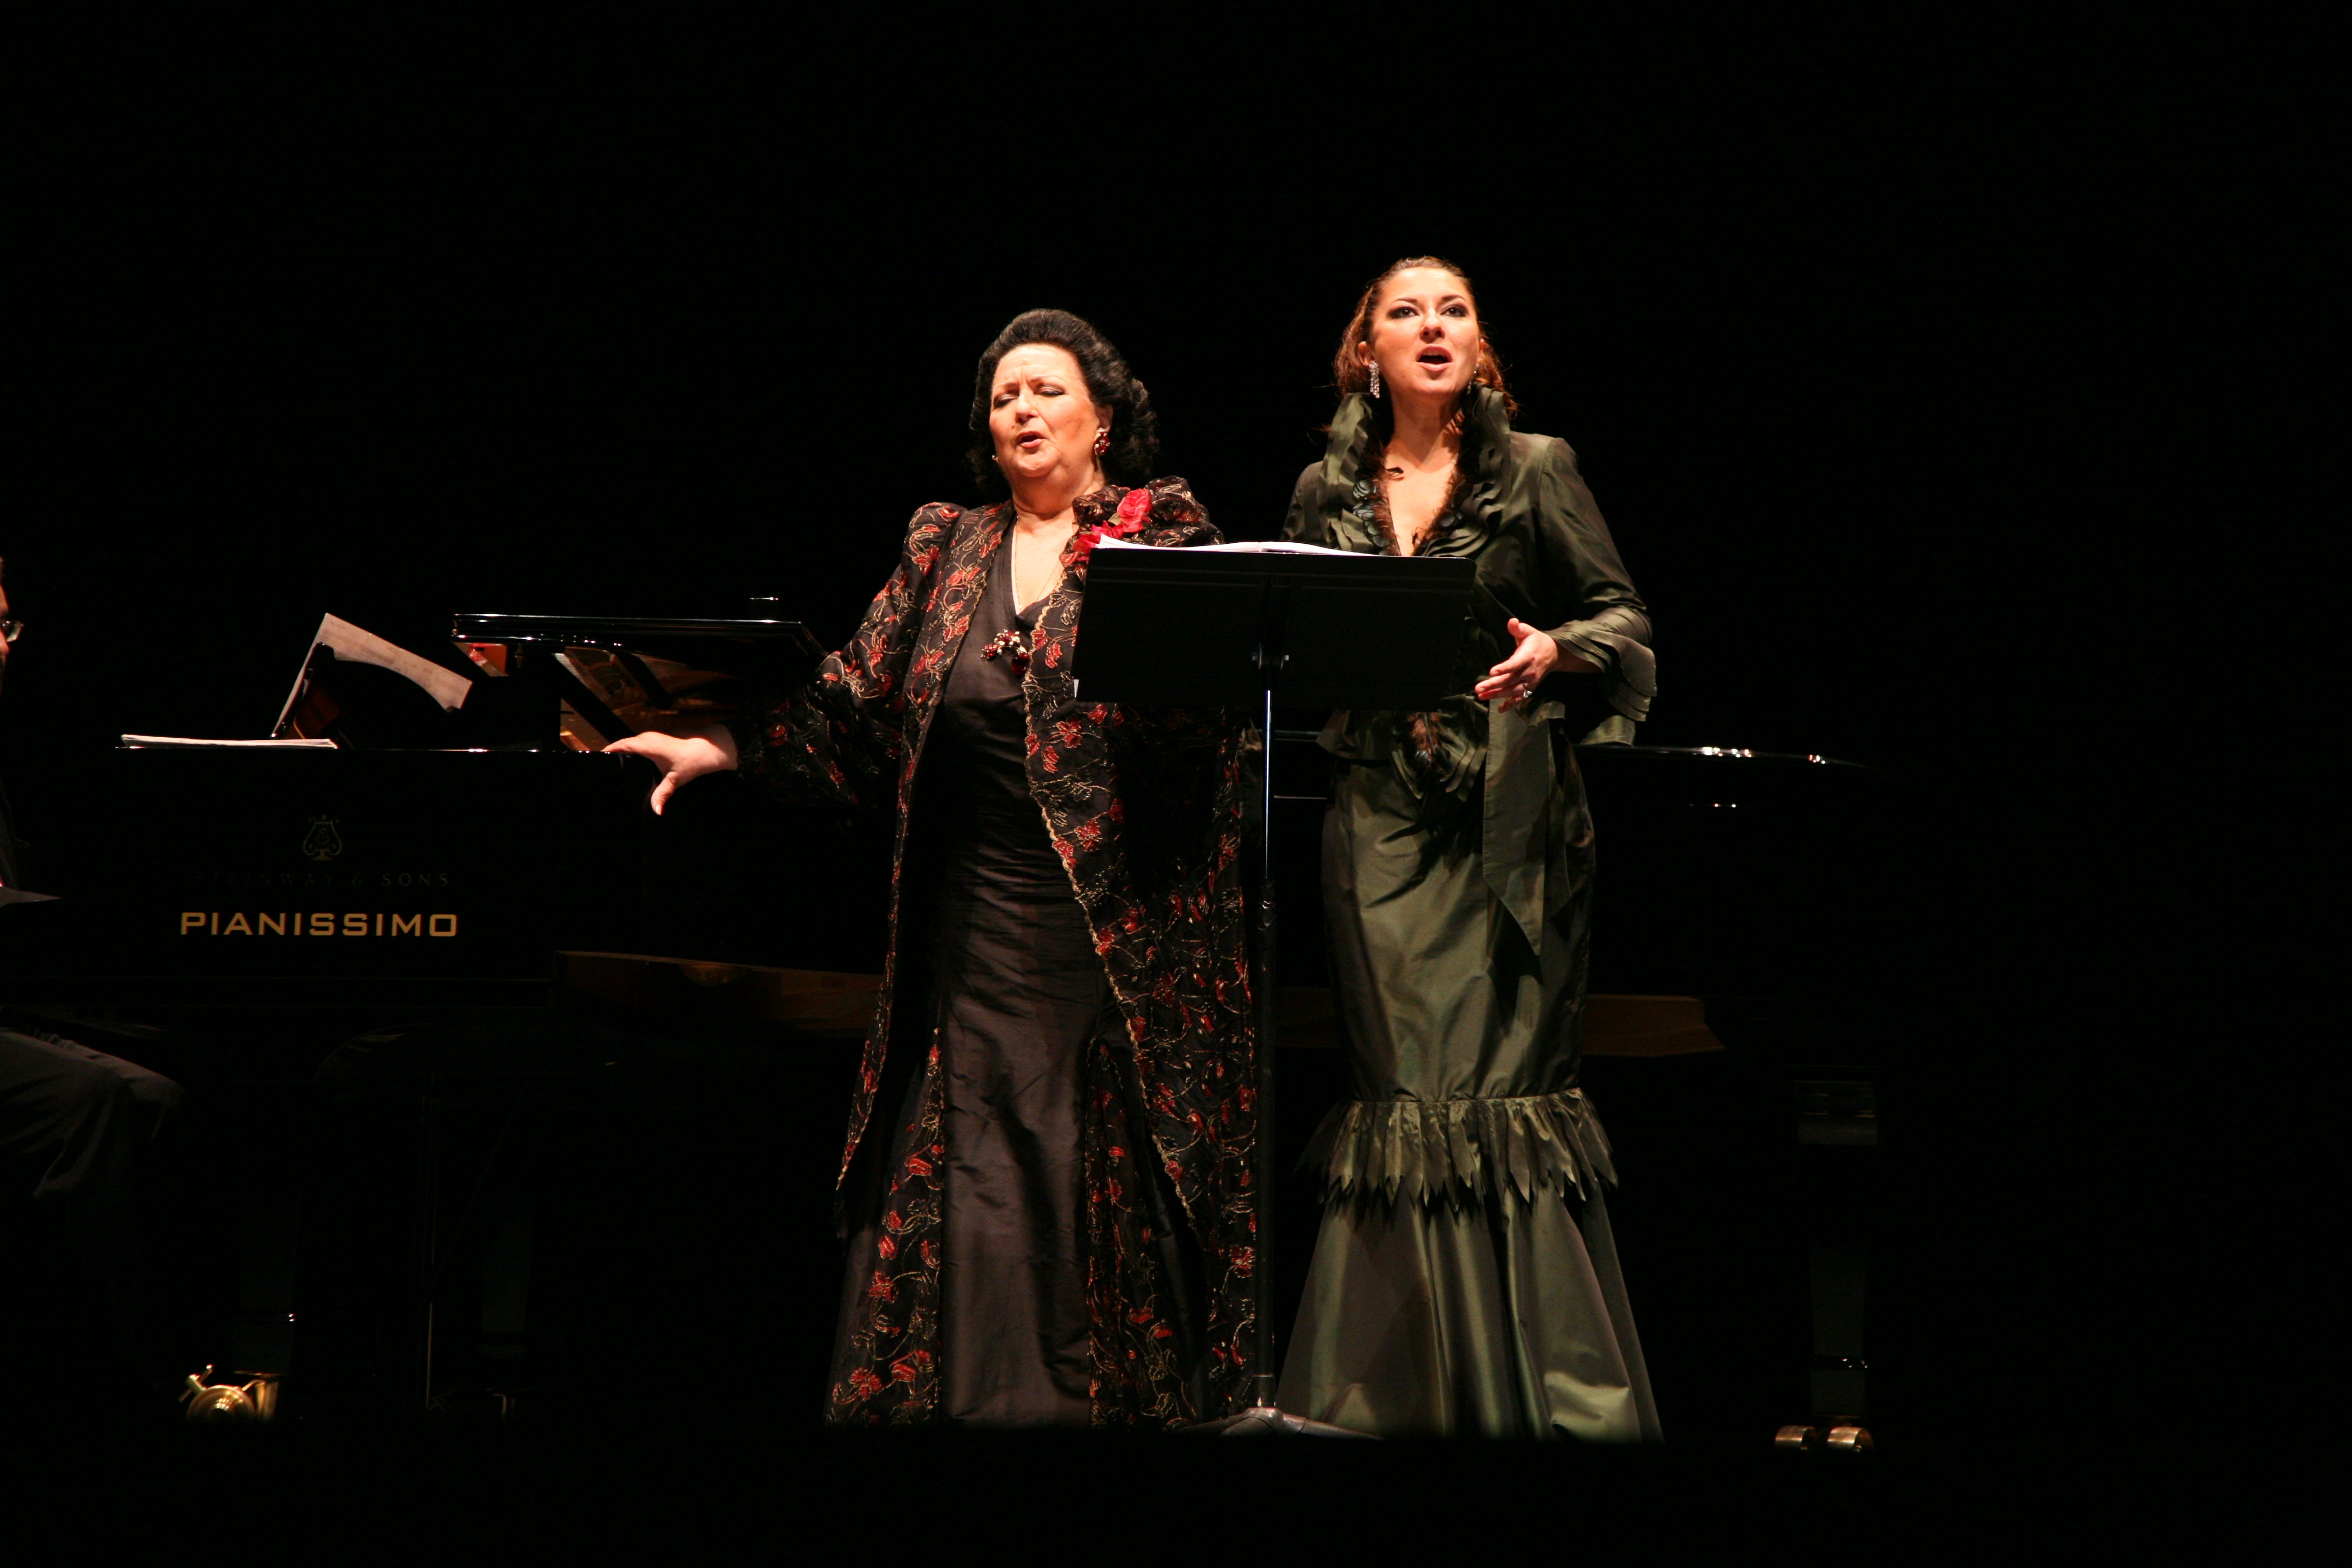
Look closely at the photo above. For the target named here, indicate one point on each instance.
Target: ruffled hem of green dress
(1473, 1146)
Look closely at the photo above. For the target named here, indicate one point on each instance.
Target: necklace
(1012, 550)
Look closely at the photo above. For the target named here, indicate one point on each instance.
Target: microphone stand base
(1268, 1421)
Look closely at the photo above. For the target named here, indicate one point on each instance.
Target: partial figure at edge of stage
(79, 1131)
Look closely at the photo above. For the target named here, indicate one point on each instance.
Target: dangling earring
(1102, 440)
(1376, 378)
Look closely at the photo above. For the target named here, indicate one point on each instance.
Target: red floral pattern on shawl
(1145, 807)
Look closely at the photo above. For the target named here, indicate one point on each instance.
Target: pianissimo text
(319, 922)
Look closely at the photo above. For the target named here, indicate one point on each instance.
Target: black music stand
(1239, 627)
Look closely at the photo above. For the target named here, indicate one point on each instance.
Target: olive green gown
(1464, 1280)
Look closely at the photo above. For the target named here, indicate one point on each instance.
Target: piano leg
(271, 1160)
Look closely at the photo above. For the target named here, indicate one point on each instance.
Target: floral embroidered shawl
(1145, 807)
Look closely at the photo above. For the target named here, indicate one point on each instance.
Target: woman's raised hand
(681, 758)
(1516, 679)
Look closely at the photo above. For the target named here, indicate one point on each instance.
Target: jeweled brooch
(1009, 641)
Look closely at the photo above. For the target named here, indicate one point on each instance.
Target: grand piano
(435, 904)
(383, 849)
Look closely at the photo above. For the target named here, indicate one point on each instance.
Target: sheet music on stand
(1243, 625)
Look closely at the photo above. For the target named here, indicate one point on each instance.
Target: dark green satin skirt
(1464, 1282)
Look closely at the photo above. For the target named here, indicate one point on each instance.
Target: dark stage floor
(580, 1224)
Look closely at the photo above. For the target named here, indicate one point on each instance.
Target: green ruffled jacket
(1545, 556)
(1521, 511)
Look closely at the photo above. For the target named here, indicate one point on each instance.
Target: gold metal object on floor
(252, 1400)
(1845, 1437)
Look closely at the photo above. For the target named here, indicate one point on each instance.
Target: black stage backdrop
(600, 323)
(624, 334)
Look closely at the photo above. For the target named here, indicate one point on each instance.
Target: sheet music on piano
(291, 741)
(353, 645)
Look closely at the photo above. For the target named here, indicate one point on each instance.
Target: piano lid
(609, 676)
(761, 635)
(533, 681)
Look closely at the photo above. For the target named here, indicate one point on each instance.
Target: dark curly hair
(1352, 375)
(1134, 453)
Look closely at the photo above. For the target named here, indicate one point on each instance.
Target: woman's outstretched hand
(1516, 679)
(681, 758)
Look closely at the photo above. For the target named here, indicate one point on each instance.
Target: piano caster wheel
(1847, 1437)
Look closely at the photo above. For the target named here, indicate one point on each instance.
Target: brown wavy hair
(1349, 373)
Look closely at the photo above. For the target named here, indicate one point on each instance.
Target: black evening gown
(1016, 992)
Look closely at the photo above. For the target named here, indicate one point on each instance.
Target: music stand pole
(1241, 610)
(1262, 1175)
(1265, 1416)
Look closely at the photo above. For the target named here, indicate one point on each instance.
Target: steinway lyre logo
(322, 842)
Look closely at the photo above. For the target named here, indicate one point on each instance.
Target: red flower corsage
(1134, 511)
